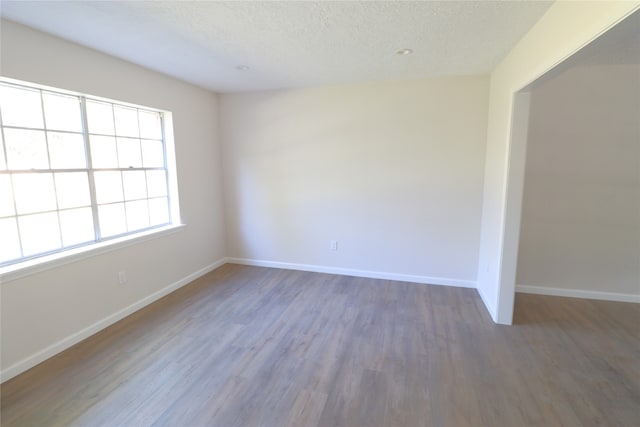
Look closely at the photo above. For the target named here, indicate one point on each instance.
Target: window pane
(152, 154)
(10, 247)
(72, 189)
(135, 186)
(3, 162)
(55, 189)
(77, 226)
(34, 192)
(129, 153)
(100, 118)
(156, 183)
(26, 149)
(103, 152)
(62, 112)
(66, 150)
(137, 215)
(159, 211)
(112, 219)
(6, 197)
(150, 125)
(20, 107)
(108, 187)
(39, 233)
(126, 121)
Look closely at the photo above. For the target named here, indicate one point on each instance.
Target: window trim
(31, 265)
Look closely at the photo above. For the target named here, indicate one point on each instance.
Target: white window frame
(32, 264)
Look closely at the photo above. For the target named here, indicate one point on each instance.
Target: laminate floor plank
(251, 346)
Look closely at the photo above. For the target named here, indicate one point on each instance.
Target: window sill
(27, 268)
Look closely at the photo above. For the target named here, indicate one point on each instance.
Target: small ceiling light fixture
(404, 52)
(242, 67)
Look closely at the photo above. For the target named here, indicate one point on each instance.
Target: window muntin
(76, 170)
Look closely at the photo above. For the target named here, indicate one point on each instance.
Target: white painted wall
(392, 171)
(580, 225)
(44, 309)
(564, 29)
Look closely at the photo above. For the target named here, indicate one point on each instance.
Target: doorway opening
(573, 201)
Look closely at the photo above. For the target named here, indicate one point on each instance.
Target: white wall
(580, 225)
(48, 308)
(392, 171)
(564, 29)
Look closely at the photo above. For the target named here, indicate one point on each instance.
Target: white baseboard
(357, 273)
(578, 293)
(488, 305)
(63, 344)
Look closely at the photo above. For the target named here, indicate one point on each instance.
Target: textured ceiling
(290, 43)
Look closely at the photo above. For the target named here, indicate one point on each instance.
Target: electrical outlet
(333, 245)
(122, 277)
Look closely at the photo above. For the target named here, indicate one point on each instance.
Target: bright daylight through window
(76, 170)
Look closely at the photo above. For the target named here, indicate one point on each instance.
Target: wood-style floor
(249, 346)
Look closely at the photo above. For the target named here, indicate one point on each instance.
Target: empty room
(319, 213)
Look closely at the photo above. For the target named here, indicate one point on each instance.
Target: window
(77, 170)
